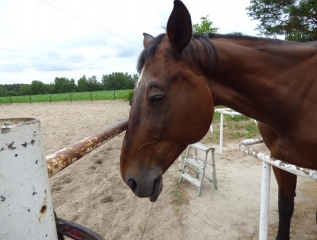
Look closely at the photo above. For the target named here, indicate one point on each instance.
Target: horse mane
(193, 47)
(149, 51)
(207, 48)
(242, 37)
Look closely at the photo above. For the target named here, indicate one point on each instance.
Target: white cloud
(40, 42)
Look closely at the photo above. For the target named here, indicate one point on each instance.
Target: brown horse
(183, 76)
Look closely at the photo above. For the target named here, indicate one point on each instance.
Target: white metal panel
(25, 198)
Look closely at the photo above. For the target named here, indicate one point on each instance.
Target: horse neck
(256, 77)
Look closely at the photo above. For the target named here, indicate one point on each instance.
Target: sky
(44, 39)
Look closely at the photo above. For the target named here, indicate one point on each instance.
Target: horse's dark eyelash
(157, 98)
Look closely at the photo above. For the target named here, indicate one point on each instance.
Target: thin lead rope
(147, 221)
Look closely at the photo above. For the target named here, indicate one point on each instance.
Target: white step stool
(200, 165)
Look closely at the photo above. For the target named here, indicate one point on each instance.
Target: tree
(205, 26)
(37, 87)
(82, 84)
(72, 85)
(112, 81)
(118, 80)
(93, 84)
(64, 85)
(12, 87)
(25, 89)
(3, 91)
(295, 19)
(49, 88)
(134, 79)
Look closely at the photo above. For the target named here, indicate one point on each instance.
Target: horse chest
(299, 151)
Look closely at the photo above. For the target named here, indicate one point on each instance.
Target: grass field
(235, 127)
(75, 96)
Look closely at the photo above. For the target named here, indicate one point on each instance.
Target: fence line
(70, 96)
(267, 161)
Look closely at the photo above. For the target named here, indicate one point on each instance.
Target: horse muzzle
(149, 185)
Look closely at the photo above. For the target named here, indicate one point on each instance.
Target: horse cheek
(201, 122)
(193, 124)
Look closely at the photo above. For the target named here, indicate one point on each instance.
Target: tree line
(113, 81)
(296, 20)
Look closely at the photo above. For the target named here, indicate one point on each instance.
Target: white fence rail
(267, 161)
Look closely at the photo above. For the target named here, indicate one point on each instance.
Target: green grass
(75, 96)
(179, 196)
(235, 127)
(140, 228)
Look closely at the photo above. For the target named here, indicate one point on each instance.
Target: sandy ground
(91, 192)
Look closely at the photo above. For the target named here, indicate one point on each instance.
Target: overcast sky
(44, 39)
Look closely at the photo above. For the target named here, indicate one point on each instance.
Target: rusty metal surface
(299, 171)
(61, 159)
(11, 122)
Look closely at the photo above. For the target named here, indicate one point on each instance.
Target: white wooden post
(221, 135)
(265, 201)
(25, 198)
(223, 111)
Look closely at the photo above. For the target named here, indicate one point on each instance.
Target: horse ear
(147, 39)
(179, 27)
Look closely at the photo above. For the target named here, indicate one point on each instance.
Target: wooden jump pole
(63, 158)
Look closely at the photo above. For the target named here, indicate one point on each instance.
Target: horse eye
(157, 98)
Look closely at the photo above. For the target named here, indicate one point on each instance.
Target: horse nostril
(132, 184)
(157, 180)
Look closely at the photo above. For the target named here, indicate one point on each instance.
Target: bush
(130, 95)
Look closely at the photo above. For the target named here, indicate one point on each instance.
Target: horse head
(172, 107)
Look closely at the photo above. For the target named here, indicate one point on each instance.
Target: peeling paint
(10, 145)
(43, 209)
(5, 130)
(303, 172)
